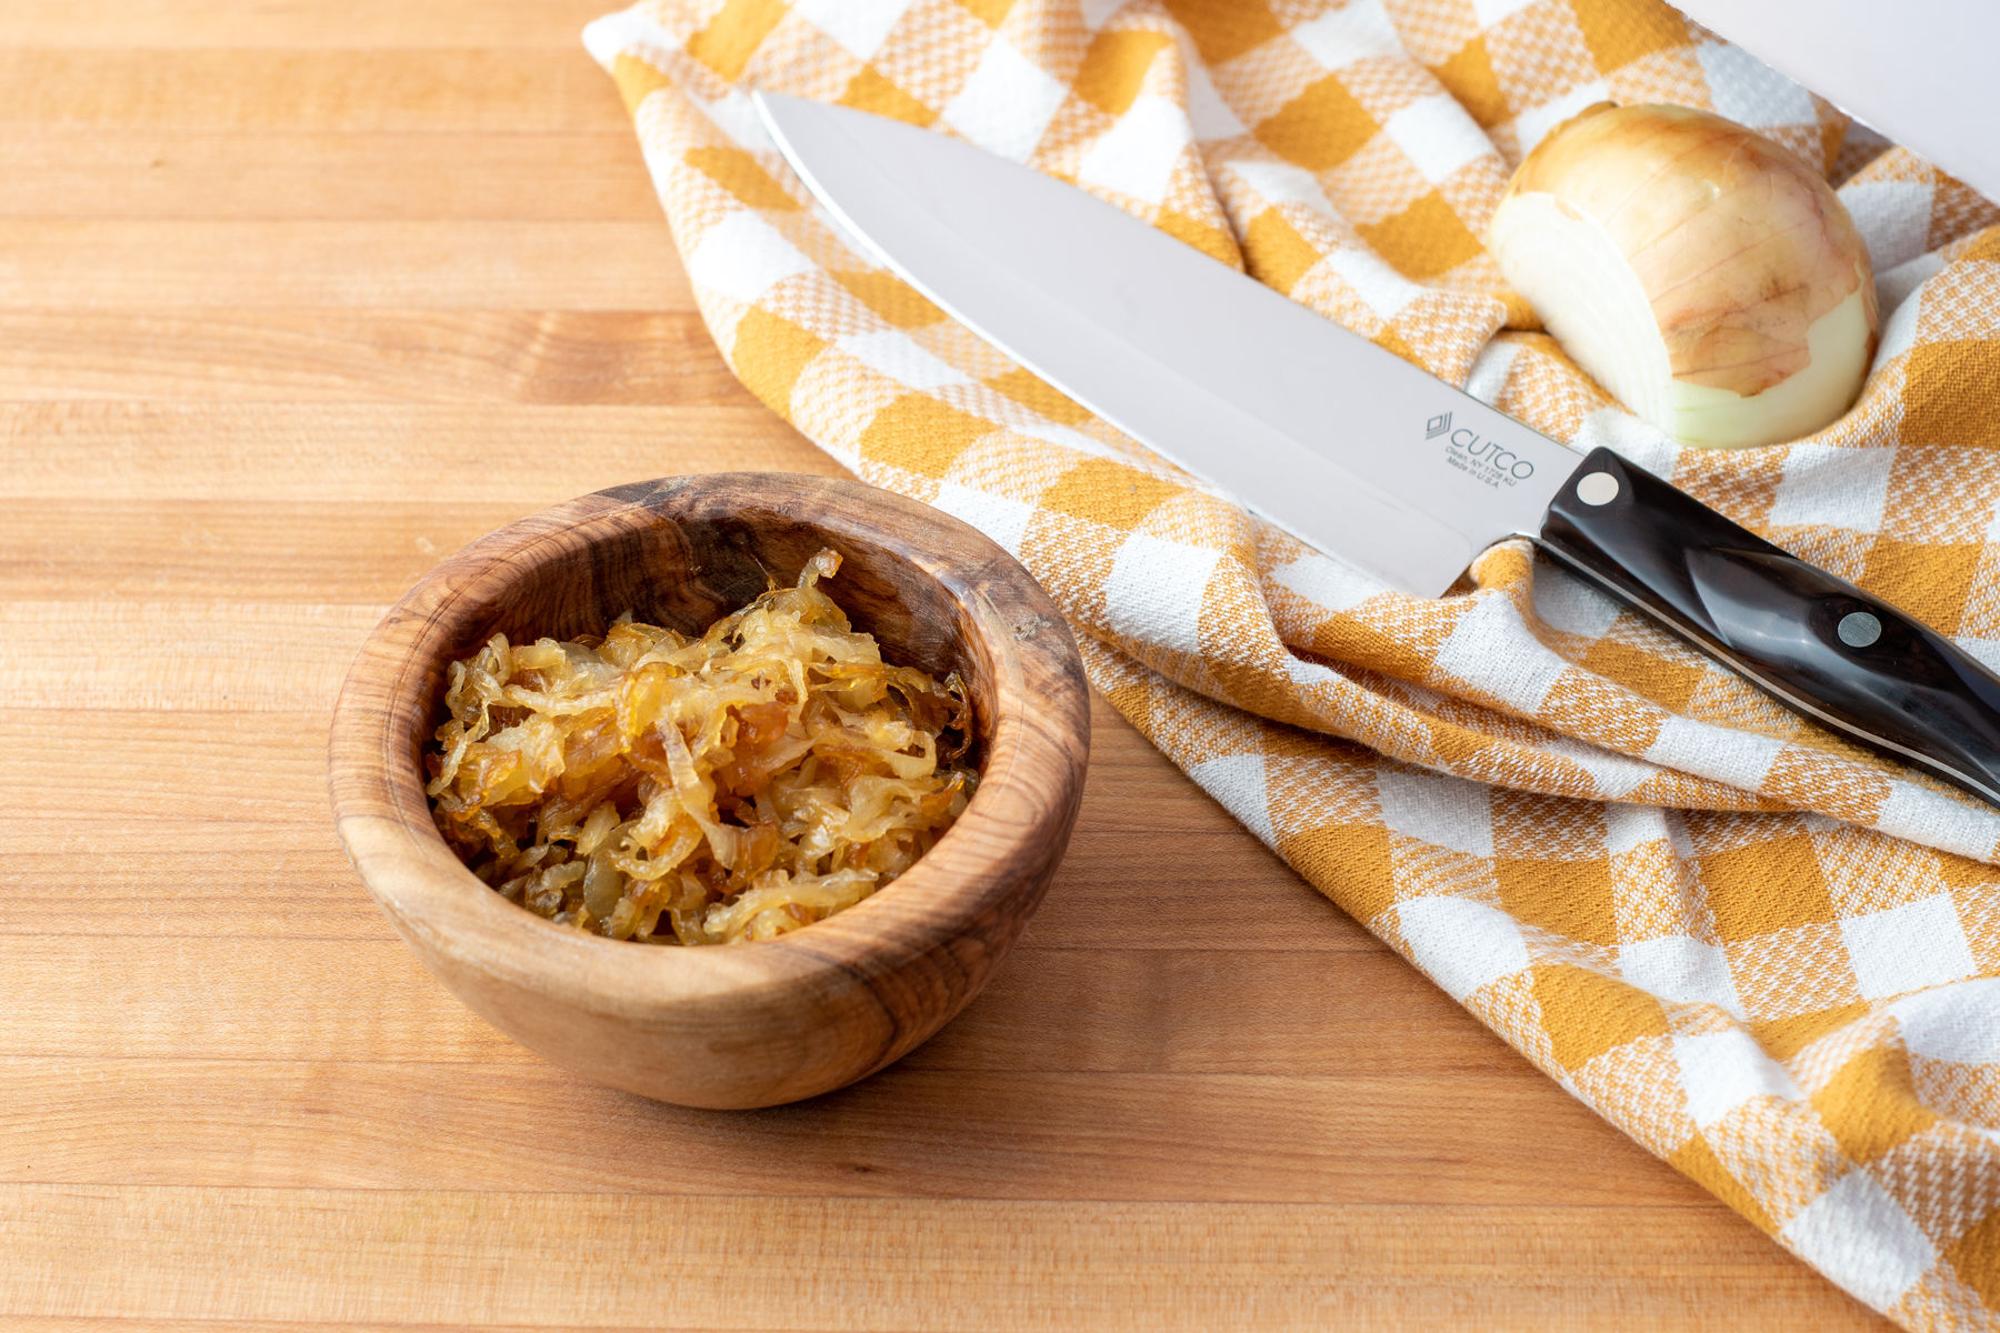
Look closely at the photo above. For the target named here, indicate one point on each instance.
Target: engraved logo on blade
(1485, 460)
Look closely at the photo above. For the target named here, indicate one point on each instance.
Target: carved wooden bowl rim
(984, 868)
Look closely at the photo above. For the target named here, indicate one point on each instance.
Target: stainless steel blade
(1921, 71)
(1345, 445)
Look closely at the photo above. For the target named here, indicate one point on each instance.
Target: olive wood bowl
(747, 1024)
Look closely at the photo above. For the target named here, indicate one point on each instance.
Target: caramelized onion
(648, 786)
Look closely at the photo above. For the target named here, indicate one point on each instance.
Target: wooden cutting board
(294, 299)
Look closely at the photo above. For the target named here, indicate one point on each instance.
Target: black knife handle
(1814, 642)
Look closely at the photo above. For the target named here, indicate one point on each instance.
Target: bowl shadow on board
(1048, 1086)
(742, 1025)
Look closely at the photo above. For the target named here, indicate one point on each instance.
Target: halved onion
(1707, 278)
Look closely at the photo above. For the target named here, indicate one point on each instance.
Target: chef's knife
(1920, 71)
(1356, 451)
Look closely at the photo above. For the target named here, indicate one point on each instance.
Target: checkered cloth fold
(1772, 959)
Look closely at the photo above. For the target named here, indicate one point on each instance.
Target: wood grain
(292, 25)
(267, 272)
(960, 1134)
(587, 176)
(557, 357)
(366, 454)
(493, 90)
(807, 1012)
(330, 1257)
(128, 263)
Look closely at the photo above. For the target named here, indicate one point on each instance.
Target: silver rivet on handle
(1598, 488)
(1858, 629)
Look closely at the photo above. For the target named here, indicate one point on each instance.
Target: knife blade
(1232, 381)
(1922, 77)
(1356, 451)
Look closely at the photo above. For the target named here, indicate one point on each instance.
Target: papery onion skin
(1756, 283)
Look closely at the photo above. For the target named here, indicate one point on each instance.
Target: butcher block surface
(295, 299)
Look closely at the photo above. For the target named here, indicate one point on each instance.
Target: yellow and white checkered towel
(1772, 959)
